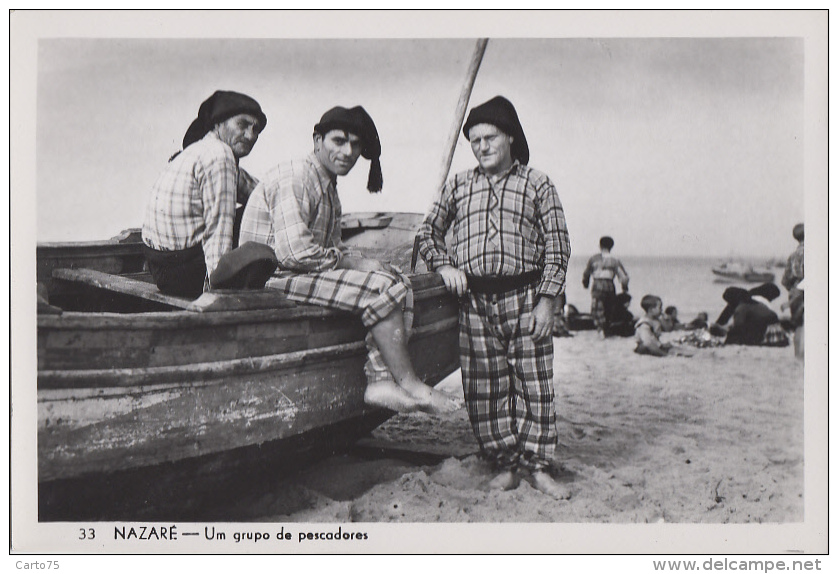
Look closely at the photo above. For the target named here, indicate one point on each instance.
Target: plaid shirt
(509, 227)
(194, 201)
(296, 210)
(793, 273)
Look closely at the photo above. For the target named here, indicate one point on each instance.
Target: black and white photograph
(388, 282)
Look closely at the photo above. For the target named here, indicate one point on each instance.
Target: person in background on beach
(603, 268)
(297, 211)
(754, 322)
(793, 273)
(700, 322)
(669, 319)
(793, 282)
(619, 320)
(733, 296)
(507, 263)
(648, 330)
(560, 328)
(575, 320)
(190, 218)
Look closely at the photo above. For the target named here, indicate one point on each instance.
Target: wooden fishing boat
(130, 378)
(738, 272)
(136, 387)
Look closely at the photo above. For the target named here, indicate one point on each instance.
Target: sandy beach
(714, 438)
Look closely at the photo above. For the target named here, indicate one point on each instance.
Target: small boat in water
(740, 272)
(130, 378)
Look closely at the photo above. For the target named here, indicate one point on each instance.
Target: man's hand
(454, 279)
(543, 316)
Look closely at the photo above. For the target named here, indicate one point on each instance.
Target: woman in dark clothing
(754, 323)
(619, 320)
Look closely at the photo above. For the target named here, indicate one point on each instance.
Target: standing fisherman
(507, 262)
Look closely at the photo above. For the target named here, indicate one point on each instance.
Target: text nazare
(145, 532)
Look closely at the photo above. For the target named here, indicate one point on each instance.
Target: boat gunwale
(151, 319)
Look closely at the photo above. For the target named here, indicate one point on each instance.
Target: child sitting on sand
(648, 330)
(669, 319)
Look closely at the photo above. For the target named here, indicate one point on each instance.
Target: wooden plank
(119, 284)
(271, 330)
(205, 335)
(188, 354)
(176, 319)
(213, 301)
(267, 346)
(104, 434)
(72, 358)
(195, 373)
(239, 300)
(95, 338)
(365, 221)
(426, 287)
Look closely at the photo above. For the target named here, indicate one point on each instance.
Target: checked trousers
(372, 295)
(507, 380)
(599, 290)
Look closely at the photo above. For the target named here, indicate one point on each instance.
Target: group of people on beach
(506, 261)
(211, 225)
(753, 320)
(610, 311)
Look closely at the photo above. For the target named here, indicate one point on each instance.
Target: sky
(674, 146)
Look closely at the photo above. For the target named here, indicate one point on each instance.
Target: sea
(687, 283)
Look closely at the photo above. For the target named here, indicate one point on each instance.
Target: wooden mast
(454, 132)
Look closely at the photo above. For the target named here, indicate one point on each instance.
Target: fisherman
(297, 211)
(507, 262)
(190, 218)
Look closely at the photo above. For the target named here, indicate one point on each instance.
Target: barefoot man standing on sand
(297, 211)
(507, 263)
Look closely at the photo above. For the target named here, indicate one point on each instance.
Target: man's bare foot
(431, 400)
(544, 482)
(389, 395)
(506, 480)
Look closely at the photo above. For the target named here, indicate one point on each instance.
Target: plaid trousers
(599, 289)
(373, 295)
(507, 380)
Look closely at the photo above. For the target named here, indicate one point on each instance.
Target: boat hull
(202, 488)
(126, 383)
(738, 272)
(107, 419)
(753, 277)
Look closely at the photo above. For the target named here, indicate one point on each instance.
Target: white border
(810, 536)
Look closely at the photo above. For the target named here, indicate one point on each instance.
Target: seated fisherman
(297, 211)
(190, 218)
